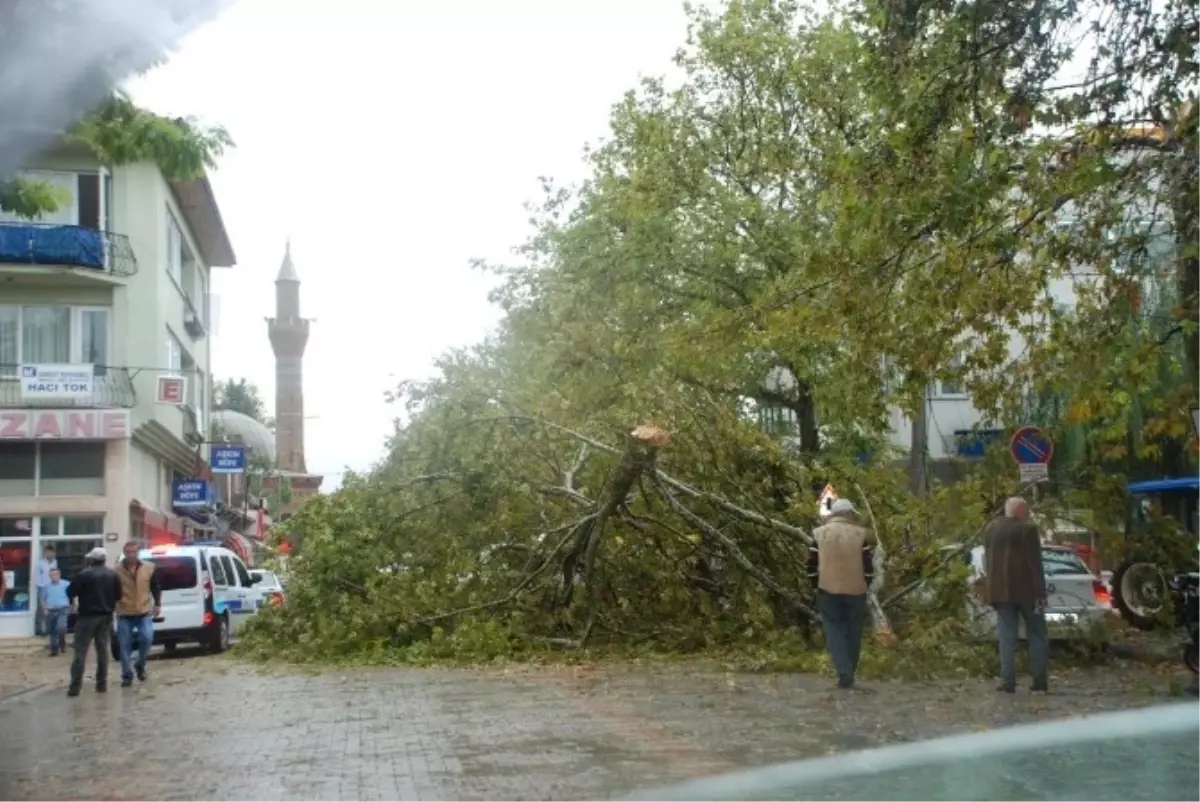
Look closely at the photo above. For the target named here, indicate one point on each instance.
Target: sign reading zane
(64, 424)
(57, 381)
(228, 459)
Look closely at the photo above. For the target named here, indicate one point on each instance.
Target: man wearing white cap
(94, 594)
(843, 560)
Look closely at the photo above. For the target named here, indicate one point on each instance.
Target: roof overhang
(158, 439)
(199, 206)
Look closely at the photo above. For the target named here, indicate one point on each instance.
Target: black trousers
(92, 630)
(843, 618)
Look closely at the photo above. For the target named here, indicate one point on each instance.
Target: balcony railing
(112, 387)
(55, 245)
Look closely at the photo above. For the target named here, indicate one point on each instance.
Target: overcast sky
(393, 141)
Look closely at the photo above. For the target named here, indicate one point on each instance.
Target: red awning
(240, 546)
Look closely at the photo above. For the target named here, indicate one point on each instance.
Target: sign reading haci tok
(64, 424)
(57, 381)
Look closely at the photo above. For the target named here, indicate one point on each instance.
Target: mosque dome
(245, 430)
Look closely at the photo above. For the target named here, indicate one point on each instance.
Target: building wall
(146, 307)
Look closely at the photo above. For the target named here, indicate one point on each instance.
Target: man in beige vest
(843, 560)
(140, 604)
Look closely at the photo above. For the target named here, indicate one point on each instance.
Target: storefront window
(17, 467)
(72, 469)
(70, 553)
(16, 560)
(72, 536)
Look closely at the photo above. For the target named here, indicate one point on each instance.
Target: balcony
(111, 388)
(54, 245)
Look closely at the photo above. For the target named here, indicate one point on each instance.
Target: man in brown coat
(1015, 586)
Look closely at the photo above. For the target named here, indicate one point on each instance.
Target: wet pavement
(212, 728)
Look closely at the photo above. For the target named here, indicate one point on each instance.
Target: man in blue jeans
(140, 604)
(56, 605)
(842, 553)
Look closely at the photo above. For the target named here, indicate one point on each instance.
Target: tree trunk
(806, 419)
(918, 481)
(1187, 241)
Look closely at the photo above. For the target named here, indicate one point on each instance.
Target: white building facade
(104, 306)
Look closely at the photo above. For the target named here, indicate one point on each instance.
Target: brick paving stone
(211, 728)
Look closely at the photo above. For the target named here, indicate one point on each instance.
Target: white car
(1076, 600)
(270, 586)
(207, 595)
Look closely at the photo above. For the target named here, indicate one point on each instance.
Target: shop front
(63, 483)
(23, 541)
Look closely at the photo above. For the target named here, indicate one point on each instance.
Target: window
(65, 185)
(1059, 561)
(952, 386)
(73, 525)
(242, 574)
(16, 560)
(53, 335)
(46, 334)
(227, 567)
(218, 573)
(16, 527)
(18, 470)
(70, 552)
(92, 325)
(71, 469)
(175, 573)
(175, 246)
(174, 354)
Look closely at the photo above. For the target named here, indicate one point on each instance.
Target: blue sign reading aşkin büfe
(191, 493)
(228, 459)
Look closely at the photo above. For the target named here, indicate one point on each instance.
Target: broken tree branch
(731, 548)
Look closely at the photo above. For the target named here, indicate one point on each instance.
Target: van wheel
(220, 638)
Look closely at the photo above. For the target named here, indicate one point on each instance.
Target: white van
(207, 595)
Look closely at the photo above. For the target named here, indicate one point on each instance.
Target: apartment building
(105, 370)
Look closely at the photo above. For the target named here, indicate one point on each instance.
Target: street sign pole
(1032, 449)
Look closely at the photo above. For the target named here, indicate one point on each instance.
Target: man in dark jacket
(94, 593)
(1015, 586)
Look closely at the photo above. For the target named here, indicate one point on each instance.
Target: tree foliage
(118, 132)
(240, 395)
(808, 229)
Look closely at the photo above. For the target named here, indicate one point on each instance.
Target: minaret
(289, 335)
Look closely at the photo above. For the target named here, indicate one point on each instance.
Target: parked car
(270, 586)
(1077, 600)
(207, 595)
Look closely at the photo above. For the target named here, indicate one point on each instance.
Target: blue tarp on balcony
(52, 245)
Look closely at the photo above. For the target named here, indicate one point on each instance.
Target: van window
(175, 573)
(218, 573)
(227, 567)
(242, 574)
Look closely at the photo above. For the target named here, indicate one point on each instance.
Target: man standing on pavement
(46, 563)
(94, 593)
(56, 605)
(843, 554)
(1014, 584)
(141, 600)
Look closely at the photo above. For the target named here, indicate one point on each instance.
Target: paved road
(210, 728)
